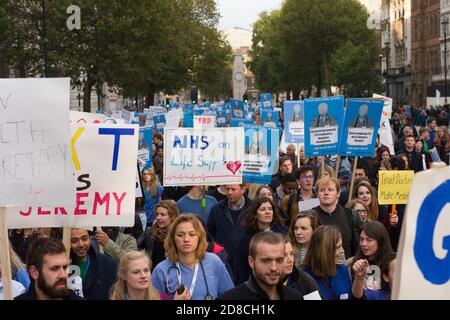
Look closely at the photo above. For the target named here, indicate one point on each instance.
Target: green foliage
(294, 48)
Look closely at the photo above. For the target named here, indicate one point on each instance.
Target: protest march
(150, 206)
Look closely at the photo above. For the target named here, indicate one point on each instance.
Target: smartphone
(180, 289)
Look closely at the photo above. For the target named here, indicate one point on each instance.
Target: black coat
(302, 282)
(250, 290)
(101, 275)
(31, 295)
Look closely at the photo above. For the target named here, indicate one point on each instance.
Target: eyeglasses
(307, 177)
(361, 211)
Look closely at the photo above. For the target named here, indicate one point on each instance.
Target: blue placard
(294, 121)
(261, 153)
(159, 122)
(324, 118)
(188, 119)
(237, 108)
(266, 101)
(361, 124)
(269, 118)
(145, 147)
(238, 122)
(221, 118)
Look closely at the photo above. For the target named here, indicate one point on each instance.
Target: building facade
(396, 49)
(426, 47)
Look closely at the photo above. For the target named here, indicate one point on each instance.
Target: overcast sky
(243, 13)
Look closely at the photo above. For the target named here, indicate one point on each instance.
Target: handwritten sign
(35, 164)
(104, 163)
(394, 186)
(86, 117)
(203, 157)
(423, 261)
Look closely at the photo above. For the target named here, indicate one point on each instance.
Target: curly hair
(250, 221)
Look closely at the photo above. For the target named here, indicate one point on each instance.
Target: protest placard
(394, 186)
(204, 122)
(422, 269)
(294, 121)
(362, 120)
(203, 157)
(269, 118)
(104, 163)
(261, 154)
(266, 101)
(34, 142)
(308, 204)
(145, 146)
(323, 125)
(237, 108)
(387, 106)
(173, 118)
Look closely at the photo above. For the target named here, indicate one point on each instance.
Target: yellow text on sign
(394, 186)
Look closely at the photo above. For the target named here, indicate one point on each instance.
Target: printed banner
(269, 118)
(266, 101)
(203, 157)
(323, 125)
(237, 108)
(261, 154)
(145, 147)
(104, 163)
(362, 121)
(394, 186)
(294, 121)
(204, 122)
(35, 166)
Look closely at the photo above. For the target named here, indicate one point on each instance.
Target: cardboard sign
(261, 154)
(104, 162)
(203, 157)
(394, 186)
(423, 261)
(35, 166)
(362, 120)
(323, 125)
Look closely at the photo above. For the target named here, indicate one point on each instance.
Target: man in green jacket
(115, 243)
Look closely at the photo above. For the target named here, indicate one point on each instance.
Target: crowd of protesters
(242, 241)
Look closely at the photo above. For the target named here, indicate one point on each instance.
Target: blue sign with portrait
(238, 122)
(294, 121)
(324, 119)
(361, 124)
(159, 122)
(237, 108)
(266, 101)
(261, 154)
(269, 118)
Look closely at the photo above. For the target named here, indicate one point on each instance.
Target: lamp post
(44, 38)
(78, 85)
(386, 44)
(97, 57)
(444, 26)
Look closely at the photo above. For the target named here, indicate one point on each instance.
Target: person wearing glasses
(189, 272)
(305, 179)
(361, 209)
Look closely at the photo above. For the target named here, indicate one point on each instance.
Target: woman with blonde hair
(189, 272)
(133, 274)
(152, 192)
(322, 263)
(300, 233)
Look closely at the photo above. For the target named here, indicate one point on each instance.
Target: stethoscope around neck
(176, 266)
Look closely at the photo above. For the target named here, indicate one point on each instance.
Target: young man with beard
(267, 262)
(47, 265)
(97, 270)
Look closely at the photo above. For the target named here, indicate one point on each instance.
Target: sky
(243, 13)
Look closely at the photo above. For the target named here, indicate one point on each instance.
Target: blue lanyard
(88, 264)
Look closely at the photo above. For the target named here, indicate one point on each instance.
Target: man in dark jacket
(97, 270)
(47, 265)
(414, 158)
(224, 222)
(332, 213)
(267, 262)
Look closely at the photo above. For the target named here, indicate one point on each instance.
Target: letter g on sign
(435, 270)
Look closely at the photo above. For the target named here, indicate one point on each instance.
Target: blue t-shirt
(376, 294)
(338, 287)
(217, 278)
(151, 202)
(188, 205)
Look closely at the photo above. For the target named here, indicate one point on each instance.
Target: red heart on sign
(234, 166)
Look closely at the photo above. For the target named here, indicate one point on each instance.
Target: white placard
(256, 163)
(86, 117)
(308, 204)
(297, 128)
(324, 135)
(104, 162)
(203, 157)
(35, 166)
(204, 122)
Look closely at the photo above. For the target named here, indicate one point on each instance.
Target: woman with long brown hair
(442, 143)
(152, 192)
